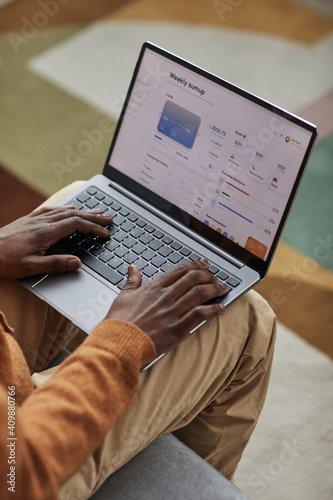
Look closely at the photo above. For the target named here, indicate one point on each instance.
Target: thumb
(53, 264)
(133, 279)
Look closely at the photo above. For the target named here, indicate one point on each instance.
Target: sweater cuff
(124, 339)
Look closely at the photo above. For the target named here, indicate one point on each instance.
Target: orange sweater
(54, 428)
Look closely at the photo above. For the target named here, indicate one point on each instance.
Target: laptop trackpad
(78, 296)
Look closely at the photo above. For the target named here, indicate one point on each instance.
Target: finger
(51, 211)
(51, 264)
(180, 270)
(200, 314)
(134, 279)
(62, 213)
(41, 211)
(192, 278)
(200, 294)
(68, 226)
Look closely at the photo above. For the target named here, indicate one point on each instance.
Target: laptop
(197, 168)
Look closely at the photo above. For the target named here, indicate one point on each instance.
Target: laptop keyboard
(133, 240)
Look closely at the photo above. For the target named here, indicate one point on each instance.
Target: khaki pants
(209, 391)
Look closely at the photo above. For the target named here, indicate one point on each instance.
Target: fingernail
(224, 286)
(94, 211)
(73, 264)
(204, 261)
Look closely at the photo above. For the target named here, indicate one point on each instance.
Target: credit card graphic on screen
(179, 124)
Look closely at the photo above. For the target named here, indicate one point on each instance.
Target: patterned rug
(64, 71)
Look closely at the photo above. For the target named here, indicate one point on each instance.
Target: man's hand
(170, 306)
(23, 243)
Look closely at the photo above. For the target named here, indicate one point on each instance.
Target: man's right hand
(171, 305)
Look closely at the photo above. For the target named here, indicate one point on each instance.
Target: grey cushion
(168, 470)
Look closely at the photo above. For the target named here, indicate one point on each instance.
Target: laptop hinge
(177, 225)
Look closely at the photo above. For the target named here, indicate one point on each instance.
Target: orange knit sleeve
(61, 423)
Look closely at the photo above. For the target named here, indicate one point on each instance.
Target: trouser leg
(209, 391)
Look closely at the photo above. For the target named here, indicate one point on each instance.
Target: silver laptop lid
(217, 159)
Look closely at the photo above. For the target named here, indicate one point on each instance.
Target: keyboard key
(109, 274)
(112, 212)
(107, 201)
(148, 254)
(194, 256)
(96, 250)
(141, 263)
(155, 244)
(116, 206)
(92, 190)
(145, 280)
(124, 211)
(175, 257)
(77, 204)
(141, 223)
(105, 209)
(101, 241)
(165, 251)
(111, 245)
(100, 196)
(105, 256)
(127, 226)
(185, 251)
(167, 240)
(118, 220)
(222, 276)
(176, 246)
(120, 236)
(213, 269)
(132, 217)
(83, 197)
(166, 267)
(129, 242)
(149, 271)
(120, 252)
(86, 244)
(233, 282)
(115, 262)
(149, 228)
(130, 258)
(136, 232)
(158, 261)
(123, 269)
(145, 238)
(92, 203)
(100, 206)
(158, 234)
(139, 248)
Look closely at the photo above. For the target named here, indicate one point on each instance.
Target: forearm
(64, 420)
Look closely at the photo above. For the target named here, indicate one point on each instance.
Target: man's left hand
(24, 242)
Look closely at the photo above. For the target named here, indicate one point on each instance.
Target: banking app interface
(223, 159)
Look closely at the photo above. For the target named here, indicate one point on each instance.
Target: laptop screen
(219, 159)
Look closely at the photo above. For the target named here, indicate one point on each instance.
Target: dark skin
(166, 309)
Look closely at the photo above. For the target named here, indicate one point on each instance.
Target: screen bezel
(182, 217)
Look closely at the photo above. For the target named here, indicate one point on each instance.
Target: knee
(262, 325)
(254, 323)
